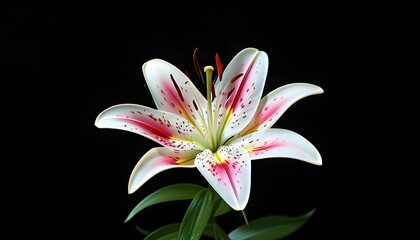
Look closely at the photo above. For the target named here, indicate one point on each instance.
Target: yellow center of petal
(219, 159)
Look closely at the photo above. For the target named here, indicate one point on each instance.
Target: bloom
(220, 134)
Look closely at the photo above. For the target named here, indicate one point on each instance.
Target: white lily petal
(229, 172)
(246, 56)
(165, 128)
(240, 90)
(157, 160)
(174, 92)
(275, 103)
(279, 143)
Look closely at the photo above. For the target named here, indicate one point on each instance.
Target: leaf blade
(270, 227)
(197, 215)
(175, 192)
(166, 232)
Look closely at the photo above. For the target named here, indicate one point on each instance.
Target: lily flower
(219, 135)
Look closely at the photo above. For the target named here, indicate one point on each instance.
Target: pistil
(209, 84)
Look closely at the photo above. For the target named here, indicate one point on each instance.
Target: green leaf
(180, 191)
(208, 231)
(270, 227)
(197, 215)
(223, 208)
(142, 231)
(214, 231)
(167, 232)
(219, 234)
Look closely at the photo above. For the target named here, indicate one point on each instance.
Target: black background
(63, 64)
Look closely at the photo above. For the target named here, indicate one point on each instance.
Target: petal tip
(131, 189)
(318, 161)
(320, 90)
(317, 158)
(99, 123)
(238, 208)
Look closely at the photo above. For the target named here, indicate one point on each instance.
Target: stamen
(219, 66)
(197, 65)
(213, 92)
(187, 74)
(177, 87)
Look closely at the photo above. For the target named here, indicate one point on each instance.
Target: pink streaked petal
(229, 172)
(274, 104)
(165, 128)
(244, 56)
(157, 160)
(279, 143)
(174, 92)
(240, 90)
